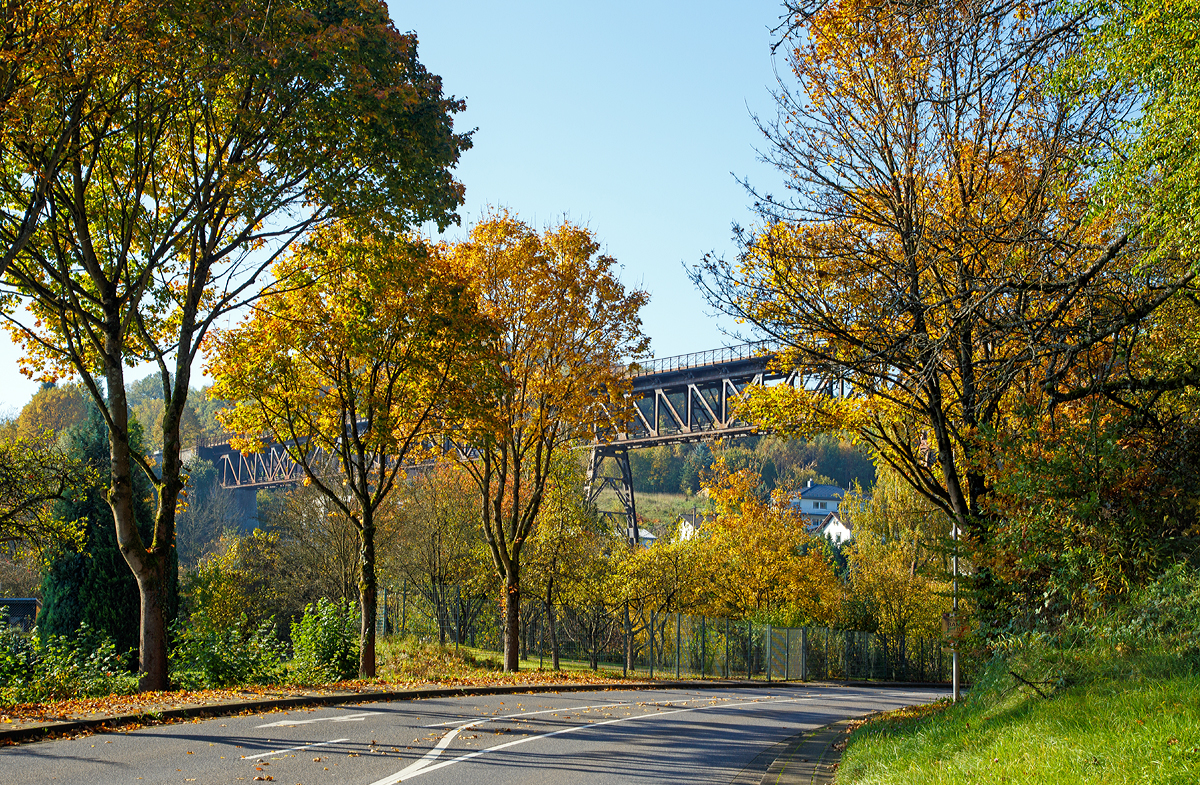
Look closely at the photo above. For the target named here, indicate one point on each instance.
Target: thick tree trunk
(152, 640)
(367, 593)
(145, 561)
(512, 620)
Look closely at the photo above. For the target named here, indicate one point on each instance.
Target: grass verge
(1108, 731)
(1115, 699)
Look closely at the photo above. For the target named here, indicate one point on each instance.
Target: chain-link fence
(638, 640)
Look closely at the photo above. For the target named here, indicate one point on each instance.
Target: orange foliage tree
(568, 328)
(221, 135)
(935, 249)
(757, 559)
(359, 355)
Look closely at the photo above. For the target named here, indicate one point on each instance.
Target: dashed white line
(336, 718)
(293, 749)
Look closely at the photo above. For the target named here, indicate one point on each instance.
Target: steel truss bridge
(687, 398)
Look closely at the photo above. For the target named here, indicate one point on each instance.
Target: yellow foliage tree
(759, 561)
(936, 250)
(568, 328)
(361, 353)
(52, 409)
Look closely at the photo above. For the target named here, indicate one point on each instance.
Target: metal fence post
(749, 649)
(703, 648)
(653, 654)
(769, 636)
(678, 641)
(804, 654)
(726, 671)
(787, 653)
(628, 643)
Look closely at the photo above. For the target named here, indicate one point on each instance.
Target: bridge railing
(725, 354)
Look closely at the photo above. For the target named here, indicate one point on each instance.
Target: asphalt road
(650, 736)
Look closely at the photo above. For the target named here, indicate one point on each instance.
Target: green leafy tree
(224, 135)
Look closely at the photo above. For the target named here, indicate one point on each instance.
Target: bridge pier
(603, 459)
(247, 506)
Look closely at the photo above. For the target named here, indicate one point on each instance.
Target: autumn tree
(934, 249)
(436, 544)
(899, 561)
(358, 357)
(36, 472)
(53, 56)
(758, 560)
(565, 548)
(316, 550)
(202, 156)
(568, 329)
(53, 408)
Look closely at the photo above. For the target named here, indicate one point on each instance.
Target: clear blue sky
(628, 117)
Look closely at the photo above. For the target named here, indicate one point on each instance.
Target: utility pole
(954, 616)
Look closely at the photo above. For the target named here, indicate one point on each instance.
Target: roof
(832, 519)
(822, 492)
(21, 611)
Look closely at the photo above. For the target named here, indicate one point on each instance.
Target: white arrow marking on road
(339, 718)
(426, 765)
(294, 749)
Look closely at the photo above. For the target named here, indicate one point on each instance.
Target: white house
(690, 523)
(834, 529)
(817, 501)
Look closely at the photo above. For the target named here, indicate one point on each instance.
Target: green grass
(658, 511)
(406, 659)
(1142, 730)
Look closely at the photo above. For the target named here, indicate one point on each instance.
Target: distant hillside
(787, 463)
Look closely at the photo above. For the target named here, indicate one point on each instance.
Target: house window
(820, 505)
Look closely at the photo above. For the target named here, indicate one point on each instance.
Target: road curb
(811, 758)
(56, 729)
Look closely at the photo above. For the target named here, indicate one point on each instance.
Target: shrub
(210, 655)
(1155, 636)
(325, 642)
(59, 667)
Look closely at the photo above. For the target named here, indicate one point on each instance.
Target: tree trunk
(367, 593)
(550, 622)
(152, 638)
(146, 561)
(512, 620)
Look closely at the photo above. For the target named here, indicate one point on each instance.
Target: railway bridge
(686, 398)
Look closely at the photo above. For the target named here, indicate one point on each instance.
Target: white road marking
(338, 718)
(293, 749)
(532, 713)
(426, 765)
(520, 714)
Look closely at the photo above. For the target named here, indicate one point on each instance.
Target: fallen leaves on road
(212, 701)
